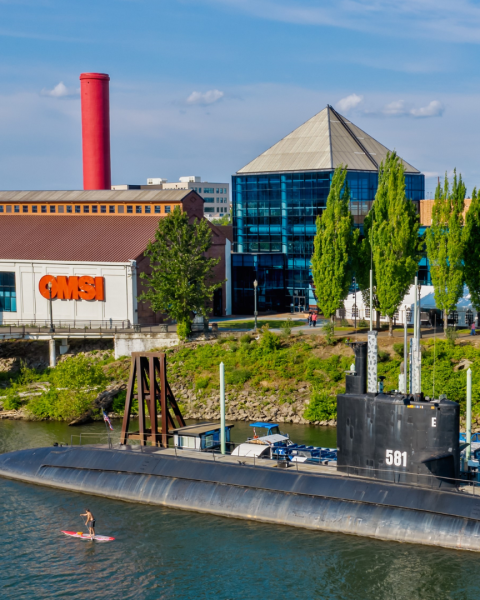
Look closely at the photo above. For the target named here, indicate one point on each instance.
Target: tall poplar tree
(471, 249)
(335, 246)
(391, 233)
(445, 244)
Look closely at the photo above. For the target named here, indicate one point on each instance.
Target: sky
(201, 87)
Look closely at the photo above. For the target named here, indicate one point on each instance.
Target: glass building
(277, 197)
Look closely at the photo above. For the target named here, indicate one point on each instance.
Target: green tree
(445, 244)
(225, 220)
(391, 233)
(180, 282)
(471, 249)
(335, 246)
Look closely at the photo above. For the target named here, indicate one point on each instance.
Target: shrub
(344, 322)
(451, 334)
(398, 349)
(12, 401)
(77, 373)
(202, 382)
(237, 377)
(329, 332)
(246, 339)
(362, 324)
(269, 341)
(286, 327)
(383, 356)
(184, 329)
(322, 407)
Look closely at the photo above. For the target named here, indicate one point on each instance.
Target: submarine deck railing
(463, 485)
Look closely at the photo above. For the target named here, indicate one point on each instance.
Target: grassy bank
(288, 374)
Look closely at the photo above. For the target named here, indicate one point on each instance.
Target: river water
(168, 554)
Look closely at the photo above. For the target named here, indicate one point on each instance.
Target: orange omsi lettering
(100, 287)
(87, 288)
(67, 287)
(42, 286)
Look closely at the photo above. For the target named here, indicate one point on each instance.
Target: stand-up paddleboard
(86, 536)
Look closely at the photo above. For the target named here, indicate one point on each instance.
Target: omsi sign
(73, 288)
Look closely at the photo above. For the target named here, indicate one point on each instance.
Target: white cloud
(434, 109)
(349, 103)
(395, 109)
(400, 108)
(60, 91)
(205, 98)
(431, 174)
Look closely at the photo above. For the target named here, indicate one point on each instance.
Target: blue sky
(201, 87)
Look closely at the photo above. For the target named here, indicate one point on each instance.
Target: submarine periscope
(397, 475)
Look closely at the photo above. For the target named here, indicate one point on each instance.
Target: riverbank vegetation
(285, 376)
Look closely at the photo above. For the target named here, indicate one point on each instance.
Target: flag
(107, 420)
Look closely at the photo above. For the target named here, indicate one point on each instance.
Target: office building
(277, 197)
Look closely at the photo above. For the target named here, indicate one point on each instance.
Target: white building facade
(83, 293)
(462, 316)
(215, 195)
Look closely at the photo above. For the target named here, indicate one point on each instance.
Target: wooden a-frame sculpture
(149, 371)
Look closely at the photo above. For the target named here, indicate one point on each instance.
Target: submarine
(397, 475)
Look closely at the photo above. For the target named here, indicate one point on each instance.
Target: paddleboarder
(90, 522)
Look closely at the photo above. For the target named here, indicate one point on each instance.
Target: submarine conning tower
(406, 438)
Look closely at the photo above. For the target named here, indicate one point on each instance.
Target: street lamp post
(355, 305)
(49, 286)
(255, 285)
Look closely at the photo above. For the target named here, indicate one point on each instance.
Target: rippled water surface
(162, 553)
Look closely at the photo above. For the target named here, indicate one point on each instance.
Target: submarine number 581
(396, 458)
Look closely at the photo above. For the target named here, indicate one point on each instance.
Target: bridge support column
(52, 353)
(64, 346)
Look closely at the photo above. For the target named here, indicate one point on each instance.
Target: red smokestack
(95, 131)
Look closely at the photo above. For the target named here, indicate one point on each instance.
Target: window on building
(1, 209)
(61, 209)
(129, 209)
(111, 209)
(44, 209)
(52, 208)
(167, 209)
(121, 209)
(77, 209)
(158, 209)
(103, 209)
(210, 200)
(8, 296)
(138, 210)
(208, 190)
(94, 209)
(34, 209)
(9, 208)
(148, 210)
(69, 209)
(25, 208)
(199, 190)
(209, 209)
(16, 208)
(218, 209)
(86, 208)
(218, 191)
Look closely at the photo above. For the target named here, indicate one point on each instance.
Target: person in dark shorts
(90, 522)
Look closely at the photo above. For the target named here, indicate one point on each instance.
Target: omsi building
(84, 250)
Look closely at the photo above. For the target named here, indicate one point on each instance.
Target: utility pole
(355, 305)
(49, 286)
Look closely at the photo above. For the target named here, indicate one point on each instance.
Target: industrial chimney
(95, 131)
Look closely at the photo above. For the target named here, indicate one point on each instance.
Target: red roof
(75, 238)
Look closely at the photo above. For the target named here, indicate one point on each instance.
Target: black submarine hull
(319, 501)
